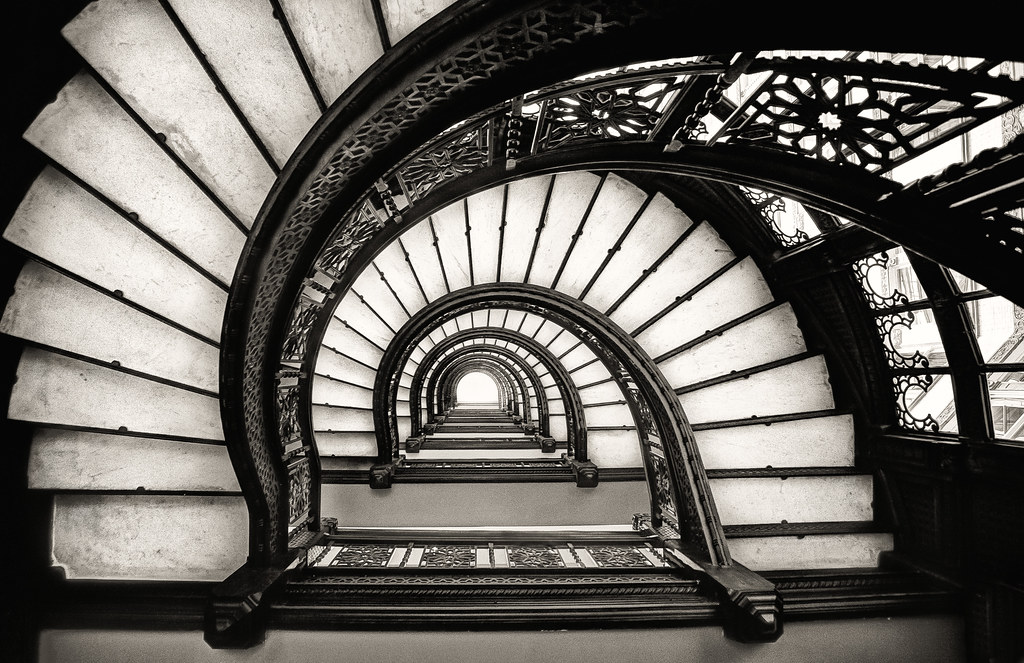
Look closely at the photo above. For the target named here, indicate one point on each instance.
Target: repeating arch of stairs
(780, 456)
(162, 151)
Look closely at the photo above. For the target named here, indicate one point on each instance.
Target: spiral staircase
(161, 153)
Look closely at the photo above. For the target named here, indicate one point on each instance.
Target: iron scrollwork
(769, 206)
(905, 386)
(866, 114)
(862, 270)
(543, 557)
(890, 328)
(609, 112)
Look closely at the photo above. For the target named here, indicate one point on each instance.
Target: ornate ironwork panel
(891, 327)
(465, 152)
(363, 555)
(865, 114)
(449, 557)
(618, 556)
(609, 112)
(663, 492)
(288, 400)
(298, 491)
(296, 341)
(862, 270)
(769, 206)
(540, 557)
(908, 388)
(350, 237)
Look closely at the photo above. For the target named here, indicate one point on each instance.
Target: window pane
(999, 327)
(1006, 392)
(964, 284)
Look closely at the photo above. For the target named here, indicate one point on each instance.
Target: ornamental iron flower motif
(459, 157)
(604, 114)
(848, 112)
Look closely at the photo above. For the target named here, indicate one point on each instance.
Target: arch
(574, 410)
(463, 384)
(510, 381)
(506, 396)
(650, 397)
(455, 360)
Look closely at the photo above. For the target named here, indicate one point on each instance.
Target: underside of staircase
(515, 398)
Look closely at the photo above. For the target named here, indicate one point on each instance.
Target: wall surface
(479, 505)
(931, 639)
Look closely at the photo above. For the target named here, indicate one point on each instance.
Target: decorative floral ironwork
(295, 343)
(605, 113)
(288, 399)
(298, 491)
(891, 327)
(333, 260)
(449, 557)
(618, 556)
(663, 492)
(646, 418)
(864, 113)
(447, 161)
(876, 300)
(363, 555)
(544, 557)
(770, 206)
(905, 386)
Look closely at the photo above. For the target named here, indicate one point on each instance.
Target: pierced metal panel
(288, 399)
(540, 557)
(618, 557)
(363, 555)
(449, 557)
(873, 275)
(864, 114)
(362, 225)
(466, 152)
(891, 327)
(771, 207)
(298, 491)
(663, 492)
(297, 338)
(908, 389)
(611, 112)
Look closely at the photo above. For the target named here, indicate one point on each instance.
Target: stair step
(54, 389)
(339, 41)
(149, 537)
(77, 460)
(136, 46)
(66, 226)
(813, 551)
(57, 311)
(87, 132)
(256, 65)
(507, 504)
(793, 499)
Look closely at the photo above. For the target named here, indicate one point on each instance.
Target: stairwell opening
(477, 391)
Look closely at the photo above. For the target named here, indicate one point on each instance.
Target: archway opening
(477, 390)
